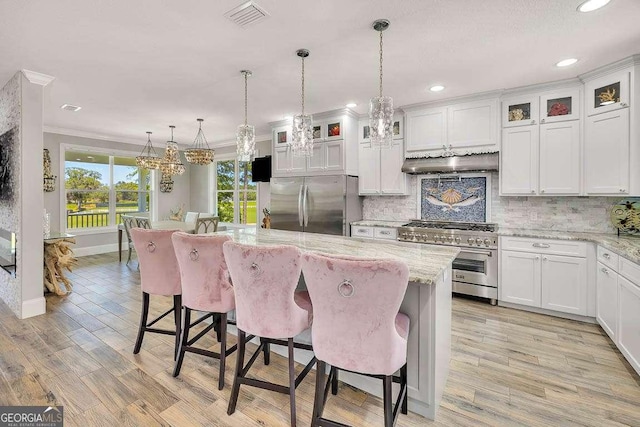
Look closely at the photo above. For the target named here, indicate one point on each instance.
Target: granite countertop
(376, 223)
(625, 246)
(426, 262)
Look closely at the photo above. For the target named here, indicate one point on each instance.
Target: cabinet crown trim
(611, 68)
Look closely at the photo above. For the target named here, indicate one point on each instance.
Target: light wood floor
(508, 368)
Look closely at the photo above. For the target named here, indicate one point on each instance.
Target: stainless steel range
(475, 269)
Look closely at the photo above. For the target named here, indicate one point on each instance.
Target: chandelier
(381, 107)
(49, 179)
(200, 154)
(148, 158)
(166, 184)
(302, 131)
(171, 163)
(246, 135)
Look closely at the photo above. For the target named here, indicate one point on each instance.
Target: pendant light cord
(303, 85)
(380, 64)
(245, 98)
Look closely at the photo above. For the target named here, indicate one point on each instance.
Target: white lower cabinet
(383, 233)
(629, 321)
(607, 300)
(541, 278)
(564, 281)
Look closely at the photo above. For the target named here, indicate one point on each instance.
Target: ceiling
(142, 65)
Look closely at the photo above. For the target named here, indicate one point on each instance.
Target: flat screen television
(261, 169)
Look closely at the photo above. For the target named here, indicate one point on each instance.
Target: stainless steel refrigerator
(317, 204)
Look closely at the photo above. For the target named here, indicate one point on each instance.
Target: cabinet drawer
(385, 233)
(544, 246)
(361, 231)
(630, 270)
(608, 258)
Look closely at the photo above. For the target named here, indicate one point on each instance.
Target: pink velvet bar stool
(357, 326)
(206, 287)
(159, 275)
(268, 306)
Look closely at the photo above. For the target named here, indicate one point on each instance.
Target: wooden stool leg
(186, 322)
(143, 322)
(318, 400)
(334, 381)
(403, 383)
(223, 349)
(387, 401)
(267, 352)
(292, 384)
(177, 317)
(233, 399)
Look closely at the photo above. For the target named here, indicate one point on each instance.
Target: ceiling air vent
(247, 14)
(70, 107)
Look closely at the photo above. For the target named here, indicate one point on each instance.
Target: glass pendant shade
(200, 154)
(148, 158)
(171, 163)
(381, 121)
(246, 141)
(302, 135)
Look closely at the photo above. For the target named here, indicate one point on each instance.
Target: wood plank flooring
(508, 368)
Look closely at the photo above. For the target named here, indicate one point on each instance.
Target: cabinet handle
(605, 255)
(544, 258)
(537, 257)
(542, 121)
(604, 270)
(542, 191)
(533, 122)
(362, 231)
(541, 245)
(385, 232)
(622, 190)
(623, 104)
(533, 191)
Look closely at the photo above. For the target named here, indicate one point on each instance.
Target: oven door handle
(473, 251)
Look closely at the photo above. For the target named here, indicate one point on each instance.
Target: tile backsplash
(546, 213)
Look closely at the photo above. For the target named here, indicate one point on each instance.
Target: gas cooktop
(470, 234)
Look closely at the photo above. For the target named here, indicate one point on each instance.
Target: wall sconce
(166, 184)
(49, 179)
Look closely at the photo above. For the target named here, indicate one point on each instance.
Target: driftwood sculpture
(58, 256)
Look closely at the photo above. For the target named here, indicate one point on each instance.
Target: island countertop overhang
(426, 262)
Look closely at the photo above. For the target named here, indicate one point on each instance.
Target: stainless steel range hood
(471, 162)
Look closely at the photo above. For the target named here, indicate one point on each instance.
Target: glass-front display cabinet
(520, 111)
(560, 106)
(607, 93)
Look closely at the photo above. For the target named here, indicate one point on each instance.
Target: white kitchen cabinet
(629, 321)
(607, 300)
(563, 284)
(560, 158)
(520, 278)
(426, 129)
(607, 93)
(519, 160)
(381, 170)
(382, 233)
(316, 163)
(281, 160)
(606, 153)
(334, 155)
(560, 106)
(520, 111)
(473, 124)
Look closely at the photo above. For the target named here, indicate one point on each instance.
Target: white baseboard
(100, 249)
(554, 313)
(33, 307)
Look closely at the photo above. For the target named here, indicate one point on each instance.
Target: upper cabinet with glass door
(560, 106)
(520, 111)
(607, 93)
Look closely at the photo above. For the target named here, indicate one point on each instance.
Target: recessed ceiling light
(566, 62)
(436, 88)
(591, 5)
(70, 107)
(351, 105)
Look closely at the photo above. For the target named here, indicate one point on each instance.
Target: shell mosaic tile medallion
(454, 199)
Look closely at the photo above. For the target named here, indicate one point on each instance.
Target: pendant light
(381, 107)
(302, 131)
(166, 184)
(171, 163)
(148, 158)
(246, 135)
(200, 154)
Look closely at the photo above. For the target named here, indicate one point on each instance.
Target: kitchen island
(427, 303)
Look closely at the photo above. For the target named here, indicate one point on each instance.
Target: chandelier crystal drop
(381, 107)
(302, 130)
(148, 158)
(171, 163)
(200, 154)
(246, 135)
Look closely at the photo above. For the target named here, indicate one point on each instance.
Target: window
(235, 192)
(100, 188)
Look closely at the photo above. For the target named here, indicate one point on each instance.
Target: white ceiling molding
(38, 78)
(92, 135)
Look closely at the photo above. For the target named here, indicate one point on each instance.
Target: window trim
(213, 190)
(112, 214)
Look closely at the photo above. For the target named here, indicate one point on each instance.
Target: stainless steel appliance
(318, 204)
(475, 269)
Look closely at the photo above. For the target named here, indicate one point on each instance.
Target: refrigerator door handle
(300, 218)
(305, 213)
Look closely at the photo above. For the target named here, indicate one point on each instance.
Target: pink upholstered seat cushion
(159, 272)
(356, 324)
(264, 279)
(206, 285)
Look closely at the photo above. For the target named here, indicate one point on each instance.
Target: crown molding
(323, 115)
(622, 64)
(37, 78)
(232, 142)
(92, 135)
(455, 100)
